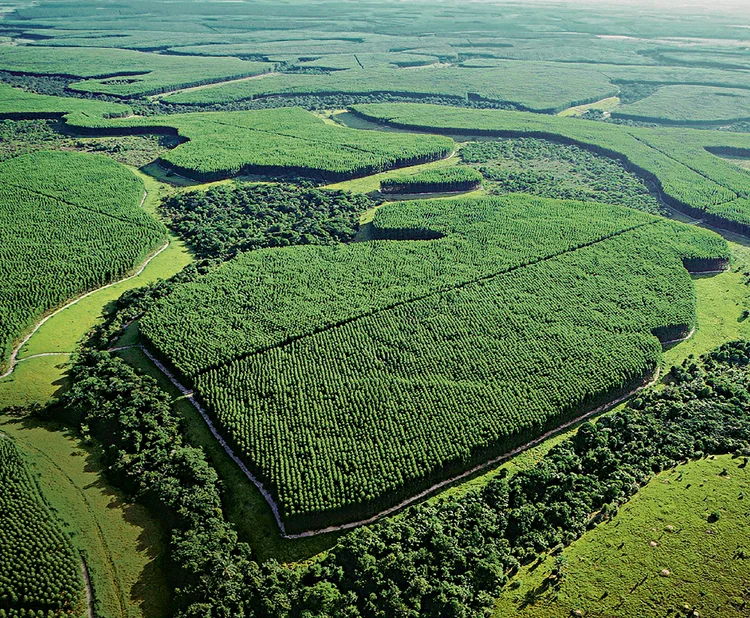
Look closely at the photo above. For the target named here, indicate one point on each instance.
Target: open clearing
(690, 521)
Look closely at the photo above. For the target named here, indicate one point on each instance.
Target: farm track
(188, 394)
(13, 361)
(89, 590)
(161, 95)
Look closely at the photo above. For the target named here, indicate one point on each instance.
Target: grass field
(605, 105)
(689, 104)
(690, 521)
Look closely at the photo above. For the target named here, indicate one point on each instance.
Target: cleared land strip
(13, 361)
(161, 95)
(415, 299)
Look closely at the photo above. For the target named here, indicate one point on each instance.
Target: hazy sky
(742, 6)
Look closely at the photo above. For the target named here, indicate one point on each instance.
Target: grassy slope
(614, 571)
(121, 542)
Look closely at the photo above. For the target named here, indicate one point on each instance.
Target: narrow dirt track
(13, 361)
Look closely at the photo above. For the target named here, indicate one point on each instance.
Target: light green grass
(122, 544)
(744, 163)
(370, 184)
(613, 570)
(721, 301)
(33, 381)
(605, 105)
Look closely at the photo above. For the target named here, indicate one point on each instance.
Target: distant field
(279, 343)
(543, 87)
(690, 177)
(124, 72)
(39, 571)
(68, 223)
(689, 104)
(276, 141)
(16, 103)
(690, 521)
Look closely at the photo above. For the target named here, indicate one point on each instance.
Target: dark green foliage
(147, 456)
(630, 92)
(351, 376)
(226, 220)
(562, 171)
(456, 178)
(39, 569)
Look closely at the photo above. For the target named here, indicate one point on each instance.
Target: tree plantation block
(358, 375)
(678, 161)
(450, 179)
(40, 573)
(281, 141)
(69, 223)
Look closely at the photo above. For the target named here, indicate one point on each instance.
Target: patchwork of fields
(274, 142)
(314, 351)
(680, 161)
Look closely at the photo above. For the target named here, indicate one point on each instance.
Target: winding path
(14, 360)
